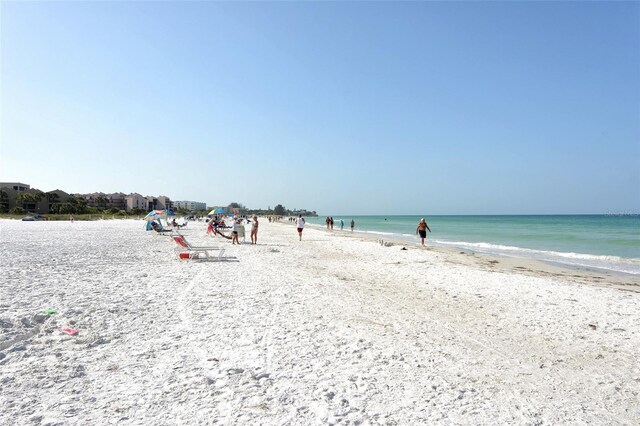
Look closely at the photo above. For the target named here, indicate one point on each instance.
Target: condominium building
(192, 206)
(159, 203)
(136, 201)
(16, 186)
(117, 200)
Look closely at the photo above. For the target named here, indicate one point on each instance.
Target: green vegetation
(84, 216)
(4, 202)
(278, 210)
(29, 203)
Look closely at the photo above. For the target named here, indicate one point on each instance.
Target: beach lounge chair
(158, 228)
(195, 252)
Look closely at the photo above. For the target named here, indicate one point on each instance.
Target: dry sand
(327, 330)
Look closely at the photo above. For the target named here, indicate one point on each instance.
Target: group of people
(254, 230)
(421, 229)
(329, 222)
(214, 223)
(217, 222)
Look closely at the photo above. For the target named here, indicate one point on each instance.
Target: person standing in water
(422, 230)
(300, 225)
(352, 225)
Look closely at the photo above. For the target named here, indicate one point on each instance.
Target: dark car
(34, 218)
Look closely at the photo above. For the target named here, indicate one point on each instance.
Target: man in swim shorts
(422, 230)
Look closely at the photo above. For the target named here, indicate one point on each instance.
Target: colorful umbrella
(154, 215)
(217, 210)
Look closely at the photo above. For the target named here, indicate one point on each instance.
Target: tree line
(76, 204)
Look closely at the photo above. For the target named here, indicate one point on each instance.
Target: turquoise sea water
(595, 241)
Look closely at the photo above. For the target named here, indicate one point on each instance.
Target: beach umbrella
(154, 215)
(217, 210)
(157, 214)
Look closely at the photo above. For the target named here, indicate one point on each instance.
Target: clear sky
(344, 108)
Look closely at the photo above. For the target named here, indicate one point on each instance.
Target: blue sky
(344, 108)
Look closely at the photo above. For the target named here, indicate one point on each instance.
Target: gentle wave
(524, 230)
(611, 263)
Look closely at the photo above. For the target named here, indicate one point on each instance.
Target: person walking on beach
(341, 224)
(352, 225)
(254, 230)
(331, 222)
(422, 230)
(300, 225)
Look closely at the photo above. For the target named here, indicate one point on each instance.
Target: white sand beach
(331, 329)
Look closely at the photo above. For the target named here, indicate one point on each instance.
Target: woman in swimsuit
(254, 230)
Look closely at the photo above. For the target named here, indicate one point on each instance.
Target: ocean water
(606, 242)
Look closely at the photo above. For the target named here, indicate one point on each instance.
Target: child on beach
(211, 225)
(235, 232)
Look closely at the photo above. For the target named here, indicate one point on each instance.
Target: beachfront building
(16, 186)
(159, 203)
(117, 200)
(105, 201)
(21, 197)
(17, 195)
(192, 206)
(136, 201)
(55, 198)
(97, 199)
(9, 194)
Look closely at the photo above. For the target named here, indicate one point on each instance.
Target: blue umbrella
(217, 210)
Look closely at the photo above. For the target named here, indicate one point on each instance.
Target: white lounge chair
(195, 252)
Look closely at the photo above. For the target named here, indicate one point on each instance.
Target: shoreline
(597, 242)
(505, 264)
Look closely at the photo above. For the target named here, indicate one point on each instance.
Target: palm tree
(37, 197)
(279, 210)
(52, 198)
(26, 200)
(101, 202)
(4, 201)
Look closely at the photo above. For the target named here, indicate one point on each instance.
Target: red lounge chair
(194, 252)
